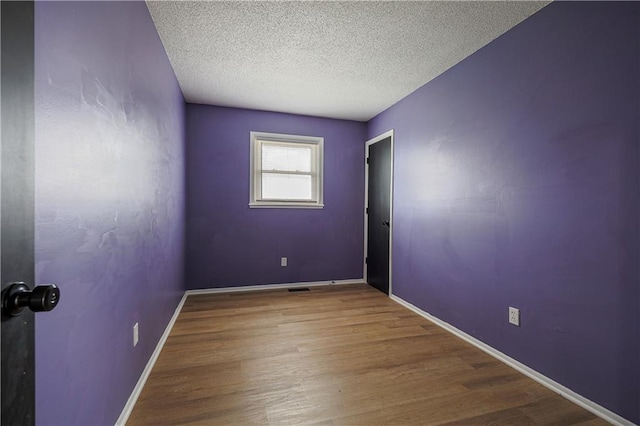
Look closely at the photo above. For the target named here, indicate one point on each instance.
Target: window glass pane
(286, 187)
(286, 158)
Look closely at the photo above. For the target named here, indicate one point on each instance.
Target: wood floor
(339, 355)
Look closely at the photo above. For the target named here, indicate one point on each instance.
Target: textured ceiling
(348, 60)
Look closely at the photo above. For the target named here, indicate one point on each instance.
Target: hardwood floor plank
(511, 416)
(335, 355)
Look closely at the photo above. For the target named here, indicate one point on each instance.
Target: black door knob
(17, 296)
(386, 223)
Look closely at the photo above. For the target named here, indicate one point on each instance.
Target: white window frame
(317, 169)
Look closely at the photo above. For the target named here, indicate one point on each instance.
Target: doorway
(378, 218)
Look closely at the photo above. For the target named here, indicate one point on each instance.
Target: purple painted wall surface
(517, 184)
(109, 203)
(229, 244)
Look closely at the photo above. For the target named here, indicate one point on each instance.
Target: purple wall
(516, 183)
(229, 244)
(109, 203)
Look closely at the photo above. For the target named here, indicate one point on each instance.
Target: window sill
(270, 205)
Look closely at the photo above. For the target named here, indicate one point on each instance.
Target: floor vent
(293, 290)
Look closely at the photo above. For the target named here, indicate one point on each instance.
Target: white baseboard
(572, 396)
(131, 402)
(272, 286)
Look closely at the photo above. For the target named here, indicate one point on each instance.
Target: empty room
(320, 212)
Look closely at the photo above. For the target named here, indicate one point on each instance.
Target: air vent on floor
(292, 290)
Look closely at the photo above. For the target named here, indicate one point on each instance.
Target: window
(286, 171)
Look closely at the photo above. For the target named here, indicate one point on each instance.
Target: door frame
(389, 133)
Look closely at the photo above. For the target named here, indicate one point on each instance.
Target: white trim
(272, 286)
(370, 142)
(133, 398)
(290, 205)
(315, 143)
(572, 396)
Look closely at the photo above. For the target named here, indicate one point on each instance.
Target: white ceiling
(347, 60)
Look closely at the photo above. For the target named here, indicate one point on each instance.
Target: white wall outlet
(283, 261)
(514, 316)
(135, 334)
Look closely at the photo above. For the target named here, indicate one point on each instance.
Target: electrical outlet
(135, 334)
(283, 261)
(514, 316)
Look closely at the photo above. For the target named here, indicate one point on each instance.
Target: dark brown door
(379, 214)
(17, 208)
